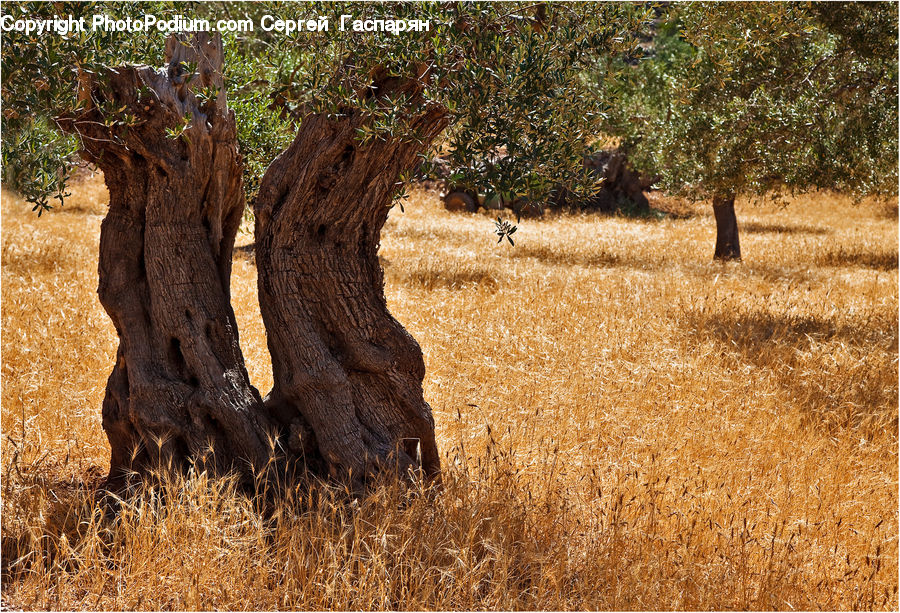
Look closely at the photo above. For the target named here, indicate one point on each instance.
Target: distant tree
(765, 98)
(318, 130)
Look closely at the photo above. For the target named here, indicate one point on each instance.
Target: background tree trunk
(179, 387)
(348, 376)
(728, 247)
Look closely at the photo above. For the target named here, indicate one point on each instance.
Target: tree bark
(179, 391)
(728, 247)
(347, 374)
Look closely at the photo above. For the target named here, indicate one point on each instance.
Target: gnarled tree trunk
(348, 376)
(728, 247)
(179, 388)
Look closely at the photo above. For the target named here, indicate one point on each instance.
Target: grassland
(625, 424)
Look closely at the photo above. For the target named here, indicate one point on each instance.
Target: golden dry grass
(625, 425)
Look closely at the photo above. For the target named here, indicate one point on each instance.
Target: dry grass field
(624, 424)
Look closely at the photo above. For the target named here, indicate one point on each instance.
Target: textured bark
(348, 376)
(728, 247)
(179, 387)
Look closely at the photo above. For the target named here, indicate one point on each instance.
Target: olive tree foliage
(541, 90)
(41, 74)
(765, 98)
(39, 77)
(318, 132)
(509, 76)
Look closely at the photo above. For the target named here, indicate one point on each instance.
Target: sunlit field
(624, 423)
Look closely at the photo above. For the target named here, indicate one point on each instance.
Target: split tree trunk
(348, 376)
(728, 247)
(179, 389)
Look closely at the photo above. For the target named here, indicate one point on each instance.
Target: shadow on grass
(754, 227)
(779, 274)
(841, 258)
(756, 332)
(555, 258)
(47, 258)
(71, 507)
(835, 388)
(452, 279)
(445, 235)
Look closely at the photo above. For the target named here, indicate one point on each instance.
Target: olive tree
(763, 98)
(318, 131)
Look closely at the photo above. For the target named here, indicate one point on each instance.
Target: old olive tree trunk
(347, 398)
(346, 372)
(728, 247)
(179, 391)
